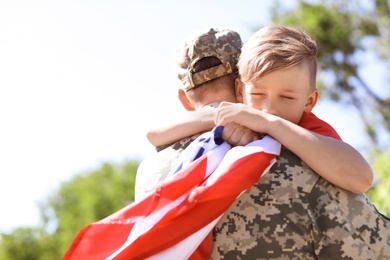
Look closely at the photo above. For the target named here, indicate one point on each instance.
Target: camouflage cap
(222, 43)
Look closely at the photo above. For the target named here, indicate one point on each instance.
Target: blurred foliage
(380, 193)
(346, 32)
(86, 198)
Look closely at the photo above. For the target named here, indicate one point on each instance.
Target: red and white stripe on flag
(176, 218)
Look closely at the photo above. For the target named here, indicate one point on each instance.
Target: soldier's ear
(239, 88)
(187, 104)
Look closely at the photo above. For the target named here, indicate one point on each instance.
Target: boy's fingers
(238, 135)
(220, 116)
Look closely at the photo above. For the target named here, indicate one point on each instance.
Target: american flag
(175, 221)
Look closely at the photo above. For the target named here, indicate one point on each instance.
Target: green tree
(20, 244)
(86, 198)
(380, 193)
(25, 243)
(346, 31)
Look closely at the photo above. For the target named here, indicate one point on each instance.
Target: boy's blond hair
(276, 47)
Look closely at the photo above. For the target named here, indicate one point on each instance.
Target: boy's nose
(269, 108)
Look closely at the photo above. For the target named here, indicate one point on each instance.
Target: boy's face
(285, 93)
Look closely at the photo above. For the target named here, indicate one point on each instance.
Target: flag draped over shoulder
(172, 221)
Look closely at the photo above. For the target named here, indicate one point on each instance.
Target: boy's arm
(334, 160)
(192, 122)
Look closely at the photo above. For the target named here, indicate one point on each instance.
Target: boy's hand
(236, 134)
(245, 116)
(236, 112)
(227, 112)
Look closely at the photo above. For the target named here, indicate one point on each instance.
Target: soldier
(154, 169)
(216, 87)
(206, 64)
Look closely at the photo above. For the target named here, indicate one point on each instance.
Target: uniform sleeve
(311, 122)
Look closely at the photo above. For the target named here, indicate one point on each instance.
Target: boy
(291, 212)
(334, 160)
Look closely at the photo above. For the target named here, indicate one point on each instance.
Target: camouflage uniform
(293, 213)
(155, 168)
(221, 43)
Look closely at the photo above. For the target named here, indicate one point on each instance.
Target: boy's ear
(311, 101)
(239, 88)
(184, 100)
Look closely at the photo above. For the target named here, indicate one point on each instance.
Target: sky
(81, 81)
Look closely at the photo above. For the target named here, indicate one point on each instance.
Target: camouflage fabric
(221, 43)
(293, 213)
(155, 168)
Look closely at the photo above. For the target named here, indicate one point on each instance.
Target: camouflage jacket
(155, 168)
(291, 213)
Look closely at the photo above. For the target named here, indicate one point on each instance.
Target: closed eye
(257, 94)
